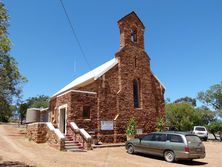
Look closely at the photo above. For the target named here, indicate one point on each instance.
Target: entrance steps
(73, 146)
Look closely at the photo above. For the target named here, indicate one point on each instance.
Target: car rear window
(174, 138)
(192, 139)
(200, 129)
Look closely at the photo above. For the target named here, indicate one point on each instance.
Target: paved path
(15, 147)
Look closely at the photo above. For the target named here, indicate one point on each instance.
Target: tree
(215, 127)
(212, 97)
(183, 116)
(40, 101)
(22, 111)
(187, 100)
(180, 116)
(11, 80)
(206, 115)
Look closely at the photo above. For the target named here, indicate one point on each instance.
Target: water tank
(33, 115)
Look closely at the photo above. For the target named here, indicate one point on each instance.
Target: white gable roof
(91, 75)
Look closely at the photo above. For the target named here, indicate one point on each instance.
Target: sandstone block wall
(37, 132)
(40, 133)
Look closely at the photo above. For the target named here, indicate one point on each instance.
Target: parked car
(170, 145)
(201, 132)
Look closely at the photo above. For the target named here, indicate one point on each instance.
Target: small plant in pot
(131, 129)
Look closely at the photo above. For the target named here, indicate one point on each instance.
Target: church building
(103, 100)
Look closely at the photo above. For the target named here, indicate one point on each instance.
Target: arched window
(133, 35)
(136, 93)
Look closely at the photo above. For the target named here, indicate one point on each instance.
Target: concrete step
(72, 142)
(76, 150)
(72, 146)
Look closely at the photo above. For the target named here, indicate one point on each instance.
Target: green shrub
(160, 124)
(131, 127)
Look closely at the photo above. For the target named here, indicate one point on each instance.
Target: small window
(148, 137)
(86, 112)
(175, 138)
(133, 35)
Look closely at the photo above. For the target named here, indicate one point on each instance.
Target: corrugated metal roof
(91, 75)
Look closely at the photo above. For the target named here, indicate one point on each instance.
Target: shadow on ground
(13, 164)
(183, 162)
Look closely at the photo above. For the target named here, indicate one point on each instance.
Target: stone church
(104, 99)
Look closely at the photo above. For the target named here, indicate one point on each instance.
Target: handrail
(74, 126)
(85, 134)
(56, 130)
(81, 130)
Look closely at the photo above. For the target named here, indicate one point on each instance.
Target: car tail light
(186, 149)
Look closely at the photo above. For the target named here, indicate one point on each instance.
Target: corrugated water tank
(33, 115)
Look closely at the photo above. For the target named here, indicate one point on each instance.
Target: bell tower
(131, 31)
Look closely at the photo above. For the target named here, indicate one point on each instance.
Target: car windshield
(192, 139)
(200, 129)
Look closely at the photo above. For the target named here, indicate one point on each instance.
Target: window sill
(138, 108)
(86, 119)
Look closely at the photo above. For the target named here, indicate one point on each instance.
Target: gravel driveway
(16, 149)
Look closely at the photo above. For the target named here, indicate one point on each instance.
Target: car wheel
(130, 149)
(169, 156)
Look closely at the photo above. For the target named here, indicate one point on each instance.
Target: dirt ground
(16, 151)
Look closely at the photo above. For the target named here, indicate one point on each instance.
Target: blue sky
(182, 38)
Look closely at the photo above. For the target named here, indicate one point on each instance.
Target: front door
(62, 120)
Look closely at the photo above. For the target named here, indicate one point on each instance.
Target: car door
(157, 144)
(144, 144)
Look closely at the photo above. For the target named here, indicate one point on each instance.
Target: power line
(74, 34)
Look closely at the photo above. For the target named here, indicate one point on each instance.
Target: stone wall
(37, 132)
(40, 133)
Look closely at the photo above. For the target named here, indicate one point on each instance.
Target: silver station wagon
(170, 145)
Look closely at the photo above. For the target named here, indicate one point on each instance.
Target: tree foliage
(160, 125)
(38, 102)
(183, 116)
(11, 80)
(187, 100)
(212, 97)
(215, 127)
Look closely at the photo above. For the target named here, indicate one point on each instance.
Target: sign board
(106, 125)
(139, 131)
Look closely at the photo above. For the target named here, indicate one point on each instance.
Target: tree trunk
(215, 136)
(220, 133)
(21, 119)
